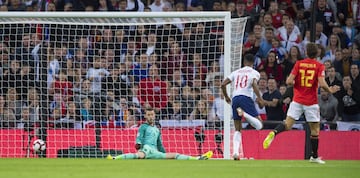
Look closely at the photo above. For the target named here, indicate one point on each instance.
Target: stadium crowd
(104, 76)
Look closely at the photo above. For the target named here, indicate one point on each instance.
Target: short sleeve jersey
(306, 74)
(242, 80)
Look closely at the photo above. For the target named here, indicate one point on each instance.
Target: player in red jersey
(305, 76)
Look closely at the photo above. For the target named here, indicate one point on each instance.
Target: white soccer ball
(39, 145)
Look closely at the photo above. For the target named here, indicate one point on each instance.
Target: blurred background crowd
(77, 76)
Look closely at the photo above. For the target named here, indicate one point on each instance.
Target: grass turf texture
(98, 168)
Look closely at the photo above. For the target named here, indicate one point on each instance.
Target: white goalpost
(80, 81)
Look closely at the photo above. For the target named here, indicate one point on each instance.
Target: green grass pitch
(101, 168)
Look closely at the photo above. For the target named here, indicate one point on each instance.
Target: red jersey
(306, 74)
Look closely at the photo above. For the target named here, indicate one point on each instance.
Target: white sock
(253, 121)
(241, 155)
(236, 142)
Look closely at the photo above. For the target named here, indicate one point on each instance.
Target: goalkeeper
(149, 144)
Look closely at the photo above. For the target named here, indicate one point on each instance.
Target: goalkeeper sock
(236, 142)
(127, 156)
(185, 157)
(256, 123)
(314, 145)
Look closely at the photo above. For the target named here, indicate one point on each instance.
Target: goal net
(81, 81)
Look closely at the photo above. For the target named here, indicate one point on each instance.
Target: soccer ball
(39, 145)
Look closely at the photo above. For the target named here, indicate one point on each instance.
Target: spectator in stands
(266, 43)
(289, 36)
(350, 29)
(331, 78)
(342, 63)
(105, 5)
(141, 70)
(120, 45)
(325, 16)
(344, 39)
(68, 7)
(86, 110)
(176, 59)
(154, 59)
(9, 118)
(24, 119)
(16, 5)
(58, 102)
(195, 68)
(320, 36)
(251, 44)
(272, 68)
(13, 102)
(328, 108)
(153, 91)
(96, 74)
(73, 115)
(187, 98)
(200, 112)
(301, 21)
(281, 52)
(157, 6)
(174, 111)
(113, 82)
(105, 39)
(63, 86)
(178, 79)
(274, 110)
(33, 103)
(4, 8)
(333, 44)
(289, 62)
(349, 101)
(276, 15)
(54, 118)
(355, 77)
(355, 56)
(217, 111)
(12, 77)
(266, 22)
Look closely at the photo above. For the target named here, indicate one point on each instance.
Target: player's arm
(224, 91)
(290, 80)
(140, 136)
(160, 144)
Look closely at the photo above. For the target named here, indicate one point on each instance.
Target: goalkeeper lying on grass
(149, 144)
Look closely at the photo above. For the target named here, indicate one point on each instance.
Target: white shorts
(312, 112)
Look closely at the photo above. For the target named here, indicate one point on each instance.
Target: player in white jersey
(244, 85)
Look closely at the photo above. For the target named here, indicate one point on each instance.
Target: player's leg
(141, 154)
(312, 116)
(237, 139)
(245, 107)
(179, 156)
(294, 113)
(138, 155)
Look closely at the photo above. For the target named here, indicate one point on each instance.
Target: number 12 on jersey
(306, 77)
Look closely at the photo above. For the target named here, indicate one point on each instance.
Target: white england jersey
(242, 80)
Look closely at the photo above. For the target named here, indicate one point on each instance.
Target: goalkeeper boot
(316, 160)
(206, 155)
(267, 142)
(109, 157)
